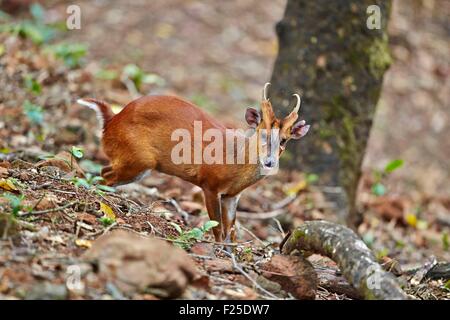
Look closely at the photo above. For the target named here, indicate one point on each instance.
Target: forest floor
(53, 207)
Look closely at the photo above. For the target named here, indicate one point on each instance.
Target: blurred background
(219, 54)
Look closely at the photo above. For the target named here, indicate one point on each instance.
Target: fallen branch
(356, 262)
(439, 271)
(331, 281)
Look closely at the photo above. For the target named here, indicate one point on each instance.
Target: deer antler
(264, 95)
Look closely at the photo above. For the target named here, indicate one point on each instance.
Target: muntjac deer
(141, 138)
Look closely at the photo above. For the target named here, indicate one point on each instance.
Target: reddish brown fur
(139, 138)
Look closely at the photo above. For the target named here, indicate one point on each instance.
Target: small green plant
(71, 54)
(187, 238)
(35, 29)
(247, 250)
(32, 85)
(378, 187)
(312, 178)
(77, 152)
(106, 221)
(92, 182)
(380, 254)
(447, 285)
(15, 202)
(106, 74)
(369, 239)
(34, 112)
(90, 166)
(139, 77)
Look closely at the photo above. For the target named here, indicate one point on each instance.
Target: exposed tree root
(439, 271)
(354, 259)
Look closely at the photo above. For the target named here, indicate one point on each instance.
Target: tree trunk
(328, 53)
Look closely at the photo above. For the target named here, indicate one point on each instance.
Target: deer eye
(283, 141)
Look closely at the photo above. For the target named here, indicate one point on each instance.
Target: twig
(130, 87)
(43, 185)
(109, 227)
(280, 228)
(283, 203)
(198, 256)
(115, 195)
(102, 231)
(37, 203)
(246, 275)
(252, 235)
(231, 244)
(49, 210)
(26, 225)
(63, 191)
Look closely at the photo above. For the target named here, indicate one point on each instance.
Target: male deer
(139, 138)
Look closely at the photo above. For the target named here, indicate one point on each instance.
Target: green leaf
(106, 221)
(4, 16)
(209, 225)
(133, 71)
(195, 233)
(368, 239)
(70, 53)
(82, 182)
(177, 227)
(311, 178)
(77, 152)
(32, 85)
(106, 188)
(378, 189)
(382, 253)
(38, 12)
(447, 285)
(90, 166)
(152, 78)
(107, 74)
(96, 179)
(393, 165)
(15, 202)
(33, 112)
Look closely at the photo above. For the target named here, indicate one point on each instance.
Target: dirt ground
(217, 54)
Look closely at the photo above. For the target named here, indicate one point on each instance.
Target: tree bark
(356, 262)
(327, 52)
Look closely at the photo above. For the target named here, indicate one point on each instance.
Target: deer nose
(269, 162)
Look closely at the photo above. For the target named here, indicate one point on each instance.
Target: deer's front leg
(214, 212)
(228, 206)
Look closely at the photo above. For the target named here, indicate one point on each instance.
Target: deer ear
(299, 130)
(253, 117)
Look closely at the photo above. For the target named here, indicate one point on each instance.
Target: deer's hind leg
(212, 202)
